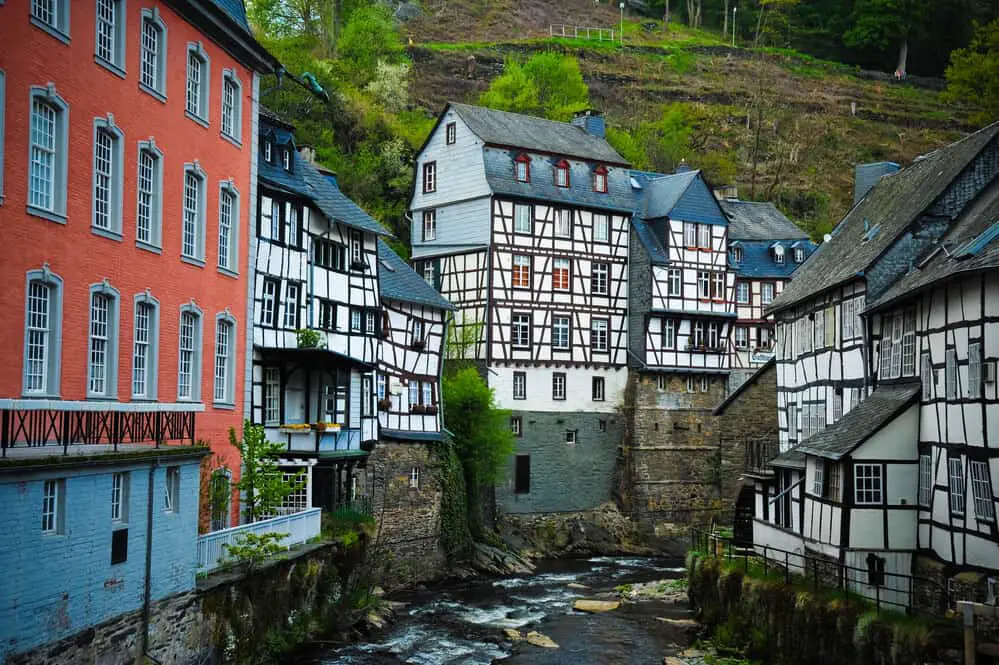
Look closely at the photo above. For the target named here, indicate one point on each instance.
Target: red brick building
(127, 182)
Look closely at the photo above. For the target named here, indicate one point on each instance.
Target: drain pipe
(147, 589)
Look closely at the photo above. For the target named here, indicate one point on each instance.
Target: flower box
(384, 404)
(295, 428)
(327, 427)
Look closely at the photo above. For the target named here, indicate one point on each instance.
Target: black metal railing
(759, 453)
(885, 590)
(33, 428)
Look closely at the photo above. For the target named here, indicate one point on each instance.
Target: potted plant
(385, 404)
(308, 339)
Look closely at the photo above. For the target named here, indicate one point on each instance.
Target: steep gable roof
(683, 196)
(397, 281)
(891, 205)
(759, 220)
(501, 128)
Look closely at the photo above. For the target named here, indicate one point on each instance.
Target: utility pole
(734, 9)
(622, 23)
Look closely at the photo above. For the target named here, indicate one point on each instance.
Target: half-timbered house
(317, 320)
(523, 224)
(765, 247)
(876, 469)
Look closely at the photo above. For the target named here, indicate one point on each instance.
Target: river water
(463, 623)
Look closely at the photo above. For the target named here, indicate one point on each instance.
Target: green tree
(262, 484)
(549, 85)
(482, 436)
(369, 36)
(973, 73)
(883, 24)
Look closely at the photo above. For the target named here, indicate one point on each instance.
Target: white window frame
(196, 104)
(57, 22)
(561, 332)
(119, 496)
(521, 170)
(231, 114)
(737, 254)
(157, 86)
(818, 478)
(109, 36)
(925, 480)
(53, 506)
(873, 494)
(600, 279)
(224, 374)
(429, 225)
(193, 216)
(601, 226)
(520, 266)
(107, 178)
(414, 478)
(562, 264)
(196, 317)
(705, 384)
(779, 254)
(562, 226)
(147, 350)
(955, 485)
(704, 284)
(571, 436)
(766, 293)
(45, 336)
(149, 196)
(742, 293)
(520, 385)
(690, 235)
(669, 333)
(704, 239)
(974, 390)
(171, 490)
(429, 177)
(523, 218)
(909, 343)
(450, 133)
(799, 255)
(981, 491)
(690, 384)
(674, 282)
(598, 389)
(228, 241)
(599, 334)
(272, 396)
(102, 379)
(741, 337)
(50, 204)
(269, 302)
(561, 175)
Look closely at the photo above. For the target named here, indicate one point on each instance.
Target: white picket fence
(300, 527)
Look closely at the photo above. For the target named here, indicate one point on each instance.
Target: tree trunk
(759, 25)
(903, 57)
(725, 24)
(666, 17)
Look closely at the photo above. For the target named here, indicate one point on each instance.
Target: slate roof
(758, 259)
(501, 128)
(893, 203)
(862, 421)
(236, 11)
(758, 220)
(500, 176)
(793, 458)
(397, 281)
(683, 196)
(977, 224)
(647, 236)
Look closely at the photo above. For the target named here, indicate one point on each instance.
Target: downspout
(147, 583)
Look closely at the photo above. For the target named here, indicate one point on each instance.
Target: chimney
(730, 192)
(682, 167)
(868, 175)
(308, 153)
(591, 122)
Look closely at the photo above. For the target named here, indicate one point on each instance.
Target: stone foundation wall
(408, 517)
(601, 531)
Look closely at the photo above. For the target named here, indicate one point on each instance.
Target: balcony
(322, 438)
(83, 428)
(759, 453)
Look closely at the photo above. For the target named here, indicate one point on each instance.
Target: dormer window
(286, 159)
(799, 255)
(737, 254)
(779, 254)
(562, 174)
(267, 152)
(600, 179)
(522, 168)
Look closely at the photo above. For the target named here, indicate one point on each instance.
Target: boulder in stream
(513, 634)
(539, 640)
(584, 605)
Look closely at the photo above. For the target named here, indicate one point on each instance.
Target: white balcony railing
(300, 527)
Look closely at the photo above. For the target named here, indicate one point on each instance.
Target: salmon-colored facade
(80, 255)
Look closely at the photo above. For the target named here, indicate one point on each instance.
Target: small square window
(570, 436)
(119, 546)
(602, 424)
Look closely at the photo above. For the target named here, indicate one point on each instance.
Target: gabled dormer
(560, 173)
(522, 168)
(600, 179)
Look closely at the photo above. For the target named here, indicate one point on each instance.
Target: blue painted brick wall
(53, 586)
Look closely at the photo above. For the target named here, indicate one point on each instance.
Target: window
(149, 188)
(950, 374)
(571, 436)
(563, 223)
(522, 168)
(792, 422)
(225, 347)
(713, 342)
(520, 331)
(291, 291)
(705, 384)
(52, 16)
(925, 480)
(198, 71)
(520, 385)
(704, 284)
(799, 255)
(690, 384)
(600, 179)
(119, 546)
(152, 54)
(704, 236)
(674, 282)
(598, 334)
(560, 332)
(270, 219)
(599, 275)
(48, 155)
(107, 180)
(381, 387)
(562, 174)
(327, 314)
(428, 393)
(560, 275)
(601, 228)
(417, 332)
(690, 235)
(110, 38)
(522, 475)
(847, 316)
(232, 106)
(741, 337)
(837, 400)
(867, 484)
(171, 494)
(778, 254)
(193, 238)
(328, 254)
(698, 333)
(766, 293)
(669, 333)
(414, 478)
(742, 292)
(429, 273)
(819, 328)
(42, 333)
(286, 159)
(558, 386)
(832, 481)
(517, 426)
(521, 218)
(737, 254)
(598, 389)
(981, 490)
(52, 506)
(357, 250)
(293, 226)
(268, 302)
(102, 374)
(718, 286)
(956, 478)
(429, 177)
(144, 347)
(926, 376)
(450, 133)
(370, 322)
(975, 370)
(228, 224)
(521, 277)
(189, 357)
(355, 320)
(268, 152)
(119, 497)
(819, 483)
(272, 396)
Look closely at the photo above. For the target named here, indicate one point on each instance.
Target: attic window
(562, 174)
(286, 159)
(451, 132)
(799, 255)
(522, 168)
(779, 254)
(600, 179)
(737, 254)
(267, 151)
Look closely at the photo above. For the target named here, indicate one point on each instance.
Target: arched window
(42, 333)
(562, 173)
